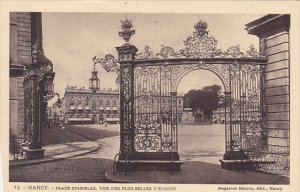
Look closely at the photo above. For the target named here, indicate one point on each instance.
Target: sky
(71, 40)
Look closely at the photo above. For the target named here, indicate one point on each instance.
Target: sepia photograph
(151, 98)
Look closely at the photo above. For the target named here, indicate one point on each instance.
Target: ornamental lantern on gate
(48, 83)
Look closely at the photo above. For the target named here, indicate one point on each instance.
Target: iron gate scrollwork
(155, 109)
(29, 114)
(158, 75)
(35, 102)
(148, 92)
(126, 109)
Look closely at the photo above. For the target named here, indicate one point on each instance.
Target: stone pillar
(273, 33)
(19, 53)
(36, 30)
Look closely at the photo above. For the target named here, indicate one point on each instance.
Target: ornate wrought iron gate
(38, 87)
(155, 102)
(148, 96)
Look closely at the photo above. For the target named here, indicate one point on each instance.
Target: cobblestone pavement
(88, 168)
(204, 143)
(196, 143)
(79, 170)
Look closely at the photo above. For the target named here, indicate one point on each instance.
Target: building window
(115, 110)
(101, 102)
(107, 109)
(87, 108)
(72, 108)
(94, 108)
(101, 108)
(79, 107)
(115, 103)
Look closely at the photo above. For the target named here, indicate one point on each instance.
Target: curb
(58, 157)
(114, 180)
(54, 158)
(185, 178)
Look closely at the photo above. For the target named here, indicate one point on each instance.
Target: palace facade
(82, 106)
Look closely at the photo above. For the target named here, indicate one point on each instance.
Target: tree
(206, 99)
(189, 98)
(216, 88)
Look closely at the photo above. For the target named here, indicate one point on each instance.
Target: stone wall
(16, 102)
(278, 90)
(20, 53)
(273, 32)
(20, 38)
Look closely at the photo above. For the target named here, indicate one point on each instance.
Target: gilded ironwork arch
(221, 70)
(150, 112)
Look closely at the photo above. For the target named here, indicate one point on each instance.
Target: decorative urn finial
(126, 32)
(201, 28)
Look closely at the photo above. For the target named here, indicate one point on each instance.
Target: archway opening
(201, 117)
